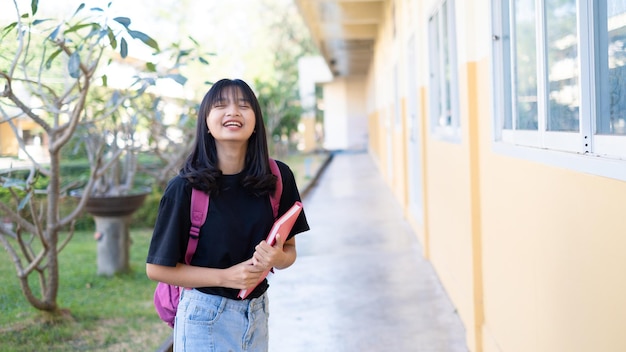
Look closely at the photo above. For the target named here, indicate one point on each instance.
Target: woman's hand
(243, 275)
(239, 276)
(279, 256)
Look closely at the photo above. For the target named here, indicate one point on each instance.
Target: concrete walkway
(360, 282)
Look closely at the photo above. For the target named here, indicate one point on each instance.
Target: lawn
(105, 313)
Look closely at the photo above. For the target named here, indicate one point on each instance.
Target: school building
(500, 127)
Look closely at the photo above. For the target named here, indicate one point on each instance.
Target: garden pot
(112, 216)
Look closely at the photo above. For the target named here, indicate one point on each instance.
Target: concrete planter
(112, 217)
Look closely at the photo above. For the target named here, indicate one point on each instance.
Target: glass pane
(616, 12)
(525, 66)
(563, 76)
(435, 70)
(446, 104)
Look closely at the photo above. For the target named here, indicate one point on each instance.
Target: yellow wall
(399, 159)
(8, 143)
(553, 261)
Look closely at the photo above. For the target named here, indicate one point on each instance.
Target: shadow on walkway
(360, 282)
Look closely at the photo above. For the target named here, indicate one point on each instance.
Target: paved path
(360, 282)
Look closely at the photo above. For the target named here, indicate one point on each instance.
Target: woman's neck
(231, 160)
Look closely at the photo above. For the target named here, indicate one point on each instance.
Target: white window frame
(397, 104)
(583, 150)
(609, 145)
(452, 131)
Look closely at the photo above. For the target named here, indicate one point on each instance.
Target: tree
(278, 91)
(48, 79)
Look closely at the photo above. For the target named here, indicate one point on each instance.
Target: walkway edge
(311, 184)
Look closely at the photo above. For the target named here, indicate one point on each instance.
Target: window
(444, 111)
(397, 103)
(560, 75)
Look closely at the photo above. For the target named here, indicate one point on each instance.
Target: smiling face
(231, 118)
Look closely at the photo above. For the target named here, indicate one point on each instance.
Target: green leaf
(8, 29)
(150, 66)
(124, 48)
(150, 81)
(34, 4)
(180, 79)
(13, 183)
(183, 53)
(52, 57)
(95, 31)
(36, 22)
(193, 40)
(105, 81)
(112, 38)
(144, 38)
(124, 21)
(74, 65)
(202, 60)
(80, 7)
(23, 202)
(55, 32)
(76, 27)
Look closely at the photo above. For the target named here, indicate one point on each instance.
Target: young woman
(230, 162)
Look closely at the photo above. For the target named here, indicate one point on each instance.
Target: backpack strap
(198, 213)
(275, 198)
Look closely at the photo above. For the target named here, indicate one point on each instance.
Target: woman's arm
(238, 276)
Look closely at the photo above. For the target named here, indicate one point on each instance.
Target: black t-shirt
(236, 222)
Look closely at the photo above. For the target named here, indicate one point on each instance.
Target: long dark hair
(201, 167)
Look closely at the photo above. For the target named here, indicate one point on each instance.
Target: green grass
(304, 166)
(106, 313)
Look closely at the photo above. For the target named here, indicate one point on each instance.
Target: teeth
(232, 123)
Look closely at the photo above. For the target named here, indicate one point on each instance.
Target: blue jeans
(213, 323)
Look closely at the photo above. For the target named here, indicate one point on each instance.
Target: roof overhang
(344, 31)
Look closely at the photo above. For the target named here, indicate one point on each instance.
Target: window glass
(525, 67)
(616, 56)
(444, 109)
(446, 103)
(560, 66)
(435, 63)
(441, 69)
(563, 66)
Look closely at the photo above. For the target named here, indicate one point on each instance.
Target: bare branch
(68, 238)
(5, 232)
(8, 93)
(17, 218)
(14, 256)
(33, 264)
(37, 223)
(81, 204)
(73, 122)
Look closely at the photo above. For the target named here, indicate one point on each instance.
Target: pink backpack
(166, 296)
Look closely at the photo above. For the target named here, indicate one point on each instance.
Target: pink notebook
(282, 226)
